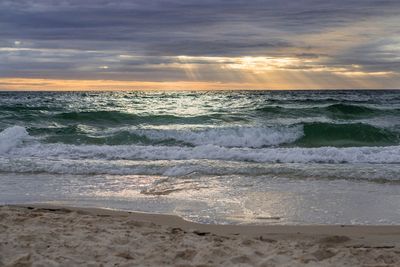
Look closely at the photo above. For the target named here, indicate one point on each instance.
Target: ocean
(238, 157)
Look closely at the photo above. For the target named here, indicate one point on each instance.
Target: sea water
(253, 157)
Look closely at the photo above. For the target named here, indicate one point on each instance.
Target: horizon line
(197, 90)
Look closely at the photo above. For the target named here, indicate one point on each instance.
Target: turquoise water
(212, 152)
(228, 119)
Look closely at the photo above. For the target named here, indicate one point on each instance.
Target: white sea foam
(19, 156)
(199, 168)
(12, 137)
(139, 152)
(253, 137)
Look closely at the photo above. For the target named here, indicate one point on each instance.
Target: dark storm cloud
(172, 27)
(98, 31)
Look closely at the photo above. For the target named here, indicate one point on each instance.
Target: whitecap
(12, 137)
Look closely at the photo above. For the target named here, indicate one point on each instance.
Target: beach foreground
(62, 236)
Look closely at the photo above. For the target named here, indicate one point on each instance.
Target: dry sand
(60, 236)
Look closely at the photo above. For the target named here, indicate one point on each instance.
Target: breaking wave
(11, 145)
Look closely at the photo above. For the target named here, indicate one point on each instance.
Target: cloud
(143, 40)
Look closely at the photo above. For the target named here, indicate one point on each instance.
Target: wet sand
(44, 235)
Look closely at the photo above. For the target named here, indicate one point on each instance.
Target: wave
(267, 155)
(203, 169)
(341, 135)
(352, 109)
(345, 111)
(239, 136)
(312, 134)
(12, 137)
(11, 141)
(117, 117)
(80, 134)
(334, 111)
(222, 136)
(26, 108)
(253, 137)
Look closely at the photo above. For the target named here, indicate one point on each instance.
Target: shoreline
(54, 235)
(170, 220)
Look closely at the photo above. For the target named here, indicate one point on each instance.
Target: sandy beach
(64, 236)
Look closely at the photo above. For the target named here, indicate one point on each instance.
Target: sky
(205, 45)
